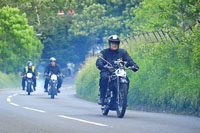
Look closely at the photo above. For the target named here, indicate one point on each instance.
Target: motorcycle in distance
(117, 90)
(29, 83)
(52, 86)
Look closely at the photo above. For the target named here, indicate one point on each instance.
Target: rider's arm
(46, 70)
(100, 63)
(59, 70)
(36, 73)
(130, 61)
(23, 72)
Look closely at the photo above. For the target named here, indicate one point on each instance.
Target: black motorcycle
(117, 91)
(29, 83)
(52, 86)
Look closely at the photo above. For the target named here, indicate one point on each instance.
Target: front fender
(124, 80)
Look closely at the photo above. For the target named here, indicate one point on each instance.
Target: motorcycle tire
(29, 88)
(121, 107)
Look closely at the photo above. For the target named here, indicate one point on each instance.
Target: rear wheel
(122, 101)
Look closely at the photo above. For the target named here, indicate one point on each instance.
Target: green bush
(87, 80)
(9, 81)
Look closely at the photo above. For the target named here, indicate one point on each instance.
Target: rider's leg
(23, 83)
(59, 84)
(103, 86)
(46, 85)
(34, 83)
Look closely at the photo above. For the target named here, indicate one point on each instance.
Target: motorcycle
(117, 89)
(29, 83)
(52, 86)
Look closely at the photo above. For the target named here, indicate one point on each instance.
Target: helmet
(52, 59)
(114, 38)
(29, 64)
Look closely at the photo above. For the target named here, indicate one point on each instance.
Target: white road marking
(37, 110)
(14, 104)
(89, 122)
(15, 95)
(8, 99)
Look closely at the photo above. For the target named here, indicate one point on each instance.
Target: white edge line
(14, 104)
(37, 110)
(89, 122)
(8, 100)
(15, 94)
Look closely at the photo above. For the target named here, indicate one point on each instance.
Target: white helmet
(52, 59)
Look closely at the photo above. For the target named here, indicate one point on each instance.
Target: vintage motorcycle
(117, 91)
(52, 86)
(29, 83)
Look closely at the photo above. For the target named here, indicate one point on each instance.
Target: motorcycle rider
(29, 69)
(112, 54)
(52, 68)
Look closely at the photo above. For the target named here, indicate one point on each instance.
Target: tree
(171, 14)
(18, 40)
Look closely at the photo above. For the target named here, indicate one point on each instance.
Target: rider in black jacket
(53, 68)
(112, 54)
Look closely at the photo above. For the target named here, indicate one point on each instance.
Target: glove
(109, 68)
(46, 75)
(134, 68)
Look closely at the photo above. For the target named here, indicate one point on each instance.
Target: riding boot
(58, 90)
(45, 90)
(102, 97)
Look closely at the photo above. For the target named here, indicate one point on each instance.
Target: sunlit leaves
(18, 42)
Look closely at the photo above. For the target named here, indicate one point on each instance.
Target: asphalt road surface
(37, 113)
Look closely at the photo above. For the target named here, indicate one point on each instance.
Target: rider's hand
(111, 69)
(45, 75)
(36, 77)
(22, 77)
(134, 68)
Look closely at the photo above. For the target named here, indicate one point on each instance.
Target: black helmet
(52, 59)
(29, 64)
(114, 38)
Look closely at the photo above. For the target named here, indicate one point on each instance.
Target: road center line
(37, 110)
(14, 104)
(85, 121)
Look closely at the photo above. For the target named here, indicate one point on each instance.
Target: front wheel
(29, 88)
(52, 96)
(105, 110)
(53, 91)
(122, 101)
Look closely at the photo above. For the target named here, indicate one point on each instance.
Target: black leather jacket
(53, 69)
(112, 56)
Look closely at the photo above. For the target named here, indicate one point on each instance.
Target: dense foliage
(18, 42)
(69, 36)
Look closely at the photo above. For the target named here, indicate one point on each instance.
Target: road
(37, 113)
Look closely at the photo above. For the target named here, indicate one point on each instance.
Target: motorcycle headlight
(29, 75)
(53, 77)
